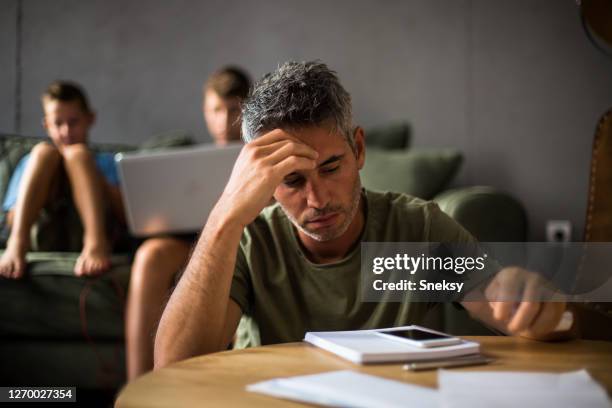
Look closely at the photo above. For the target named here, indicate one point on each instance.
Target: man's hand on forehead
(275, 136)
(279, 145)
(260, 168)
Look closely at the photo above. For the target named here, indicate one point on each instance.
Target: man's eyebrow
(332, 159)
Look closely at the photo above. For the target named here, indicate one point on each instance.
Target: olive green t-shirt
(287, 295)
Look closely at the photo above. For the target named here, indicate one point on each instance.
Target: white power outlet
(558, 231)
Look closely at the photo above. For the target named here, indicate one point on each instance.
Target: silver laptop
(173, 191)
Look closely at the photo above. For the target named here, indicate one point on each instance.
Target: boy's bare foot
(12, 262)
(93, 261)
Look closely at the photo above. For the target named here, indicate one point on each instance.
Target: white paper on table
(347, 388)
(520, 389)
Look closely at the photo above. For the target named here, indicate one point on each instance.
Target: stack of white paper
(365, 346)
(458, 389)
(348, 389)
(519, 389)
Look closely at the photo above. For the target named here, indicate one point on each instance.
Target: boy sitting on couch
(38, 179)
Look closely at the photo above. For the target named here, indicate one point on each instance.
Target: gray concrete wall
(8, 41)
(513, 84)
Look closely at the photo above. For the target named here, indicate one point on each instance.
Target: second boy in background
(159, 259)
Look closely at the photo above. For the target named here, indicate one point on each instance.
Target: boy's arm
(200, 317)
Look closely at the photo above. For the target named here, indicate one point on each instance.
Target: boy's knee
(45, 151)
(77, 151)
(151, 251)
(150, 269)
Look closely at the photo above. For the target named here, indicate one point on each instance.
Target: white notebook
(365, 346)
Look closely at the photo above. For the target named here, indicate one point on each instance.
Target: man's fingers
(529, 306)
(291, 149)
(547, 320)
(502, 310)
(295, 163)
(508, 287)
(272, 137)
(515, 297)
(524, 317)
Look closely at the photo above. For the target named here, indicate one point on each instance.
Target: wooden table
(219, 379)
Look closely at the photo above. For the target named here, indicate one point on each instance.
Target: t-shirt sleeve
(10, 197)
(440, 227)
(106, 164)
(242, 289)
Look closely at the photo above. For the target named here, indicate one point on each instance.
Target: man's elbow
(166, 353)
(167, 349)
(162, 354)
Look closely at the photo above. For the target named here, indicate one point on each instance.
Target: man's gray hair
(297, 95)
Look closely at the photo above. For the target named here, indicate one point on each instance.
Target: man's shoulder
(389, 201)
(401, 217)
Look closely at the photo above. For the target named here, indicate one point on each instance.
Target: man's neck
(336, 249)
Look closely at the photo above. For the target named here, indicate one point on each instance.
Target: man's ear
(43, 122)
(359, 137)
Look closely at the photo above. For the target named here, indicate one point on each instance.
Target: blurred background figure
(63, 163)
(158, 260)
(223, 95)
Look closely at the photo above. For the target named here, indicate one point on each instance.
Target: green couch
(56, 329)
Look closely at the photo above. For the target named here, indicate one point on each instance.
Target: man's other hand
(515, 305)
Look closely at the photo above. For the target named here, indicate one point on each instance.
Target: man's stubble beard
(349, 213)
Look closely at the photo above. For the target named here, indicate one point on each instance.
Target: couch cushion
(488, 214)
(418, 172)
(392, 136)
(51, 303)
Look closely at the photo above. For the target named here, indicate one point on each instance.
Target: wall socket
(558, 231)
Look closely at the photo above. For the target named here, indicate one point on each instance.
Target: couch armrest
(490, 215)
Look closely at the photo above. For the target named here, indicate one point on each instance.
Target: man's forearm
(194, 318)
(199, 317)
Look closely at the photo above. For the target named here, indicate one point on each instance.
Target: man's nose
(317, 194)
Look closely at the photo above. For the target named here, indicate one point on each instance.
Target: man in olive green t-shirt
(287, 294)
(295, 266)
